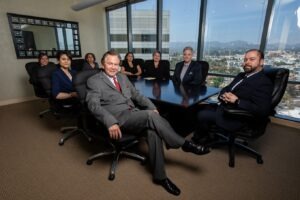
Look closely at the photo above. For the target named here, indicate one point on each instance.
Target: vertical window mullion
(266, 27)
(159, 25)
(200, 45)
(129, 27)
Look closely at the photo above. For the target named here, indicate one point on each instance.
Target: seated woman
(156, 68)
(188, 71)
(62, 87)
(90, 62)
(129, 67)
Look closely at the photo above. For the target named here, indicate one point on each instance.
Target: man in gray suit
(112, 99)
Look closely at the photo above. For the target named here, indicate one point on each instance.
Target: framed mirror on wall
(33, 35)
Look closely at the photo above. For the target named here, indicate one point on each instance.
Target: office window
(283, 50)
(70, 40)
(232, 27)
(180, 24)
(60, 36)
(144, 17)
(118, 30)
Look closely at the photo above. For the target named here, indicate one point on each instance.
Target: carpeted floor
(34, 167)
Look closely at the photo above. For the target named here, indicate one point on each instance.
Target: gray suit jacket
(110, 106)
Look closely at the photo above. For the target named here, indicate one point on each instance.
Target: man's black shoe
(201, 140)
(189, 146)
(169, 186)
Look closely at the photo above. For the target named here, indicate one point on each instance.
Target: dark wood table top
(165, 91)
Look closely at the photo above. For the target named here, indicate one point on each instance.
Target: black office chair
(60, 108)
(204, 69)
(99, 132)
(138, 61)
(239, 139)
(77, 64)
(32, 70)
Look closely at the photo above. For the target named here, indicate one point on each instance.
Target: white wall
(14, 86)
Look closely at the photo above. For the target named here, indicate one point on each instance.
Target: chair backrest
(138, 61)
(32, 70)
(44, 77)
(204, 69)
(77, 64)
(79, 83)
(279, 77)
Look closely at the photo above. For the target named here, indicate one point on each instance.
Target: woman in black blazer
(157, 68)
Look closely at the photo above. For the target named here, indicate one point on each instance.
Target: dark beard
(248, 70)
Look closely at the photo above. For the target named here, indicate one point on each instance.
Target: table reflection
(168, 92)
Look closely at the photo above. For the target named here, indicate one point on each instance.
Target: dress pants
(206, 118)
(158, 129)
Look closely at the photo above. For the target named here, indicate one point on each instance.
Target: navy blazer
(193, 75)
(255, 95)
(61, 82)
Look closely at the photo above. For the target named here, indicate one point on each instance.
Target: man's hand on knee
(156, 111)
(115, 132)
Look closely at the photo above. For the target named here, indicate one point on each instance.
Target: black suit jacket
(162, 72)
(254, 95)
(193, 75)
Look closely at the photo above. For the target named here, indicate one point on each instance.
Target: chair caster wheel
(111, 177)
(61, 143)
(89, 162)
(259, 160)
(41, 116)
(231, 164)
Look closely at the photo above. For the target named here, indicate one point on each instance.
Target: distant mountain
(235, 46)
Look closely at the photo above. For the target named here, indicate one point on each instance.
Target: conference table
(167, 92)
(179, 104)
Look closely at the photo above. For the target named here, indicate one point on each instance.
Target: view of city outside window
(144, 17)
(283, 50)
(118, 30)
(181, 27)
(231, 28)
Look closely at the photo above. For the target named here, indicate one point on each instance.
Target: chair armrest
(237, 112)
